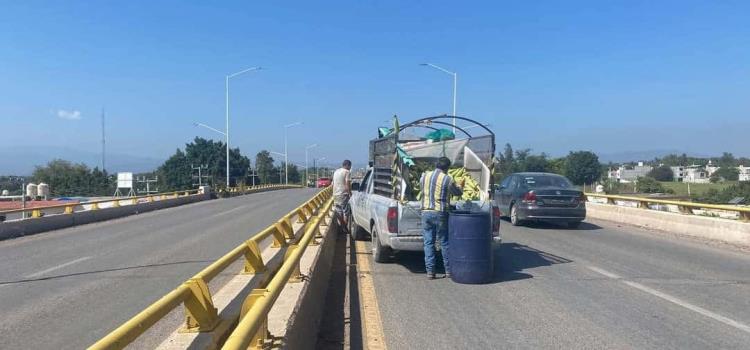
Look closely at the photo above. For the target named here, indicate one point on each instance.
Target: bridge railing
(682, 206)
(201, 315)
(69, 207)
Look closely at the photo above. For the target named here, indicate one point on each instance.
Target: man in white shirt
(342, 191)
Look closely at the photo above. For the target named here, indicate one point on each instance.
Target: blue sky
(552, 76)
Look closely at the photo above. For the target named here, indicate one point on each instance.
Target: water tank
(31, 190)
(470, 242)
(6, 193)
(42, 190)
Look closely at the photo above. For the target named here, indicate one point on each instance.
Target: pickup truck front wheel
(356, 231)
(380, 253)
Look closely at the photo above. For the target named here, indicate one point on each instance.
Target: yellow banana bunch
(471, 187)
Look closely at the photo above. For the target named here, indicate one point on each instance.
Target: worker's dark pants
(435, 223)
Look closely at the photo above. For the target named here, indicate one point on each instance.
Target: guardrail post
(611, 201)
(301, 216)
(285, 227)
(36, 213)
(94, 206)
(134, 201)
(278, 236)
(116, 203)
(643, 204)
(150, 198)
(200, 313)
(259, 338)
(745, 216)
(296, 275)
(69, 209)
(685, 210)
(253, 259)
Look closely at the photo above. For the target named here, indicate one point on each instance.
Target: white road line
(725, 320)
(229, 211)
(37, 274)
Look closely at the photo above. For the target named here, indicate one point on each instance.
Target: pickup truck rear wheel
(380, 253)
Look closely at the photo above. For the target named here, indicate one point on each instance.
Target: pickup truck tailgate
(410, 223)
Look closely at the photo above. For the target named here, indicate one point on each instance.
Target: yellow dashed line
(372, 327)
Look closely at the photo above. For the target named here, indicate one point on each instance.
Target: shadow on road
(509, 259)
(104, 270)
(546, 225)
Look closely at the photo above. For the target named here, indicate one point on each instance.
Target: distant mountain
(635, 156)
(21, 161)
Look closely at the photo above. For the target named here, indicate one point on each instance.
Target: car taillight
(529, 197)
(393, 219)
(496, 214)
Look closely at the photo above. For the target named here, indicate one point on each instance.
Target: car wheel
(355, 230)
(514, 216)
(380, 253)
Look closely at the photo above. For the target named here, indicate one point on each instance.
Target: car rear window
(545, 181)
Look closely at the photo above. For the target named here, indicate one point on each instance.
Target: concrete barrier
(18, 228)
(303, 324)
(729, 231)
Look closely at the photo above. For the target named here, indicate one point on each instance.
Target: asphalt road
(65, 289)
(598, 287)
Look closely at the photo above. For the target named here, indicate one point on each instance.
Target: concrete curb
(729, 231)
(20, 228)
(303, 324)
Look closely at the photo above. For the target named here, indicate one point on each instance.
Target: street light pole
(226, 83)
(307, 175)
(455, 83)
(286, 152)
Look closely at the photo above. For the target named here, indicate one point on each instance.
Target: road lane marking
(372, 327)
(229, 211)
(37, 274)
(725, 320)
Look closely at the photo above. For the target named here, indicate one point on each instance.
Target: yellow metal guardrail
(201, 315)
(252, 330)
(69, 208)
(250, 189)
(683, 207)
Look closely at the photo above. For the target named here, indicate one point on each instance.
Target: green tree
(264, 167)
(556, 165)
(294, 174)
(727, 173)
(535, 163)
(67, 179)
(650, 185)
(583, 167)
(176, 173)
(727, 160)
(662, 173)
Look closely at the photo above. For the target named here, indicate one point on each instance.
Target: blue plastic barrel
(470, 242)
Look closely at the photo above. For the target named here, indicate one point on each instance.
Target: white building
(695, 174)
(626, 175)
(711, 169)
(744, 173)
(679, 173)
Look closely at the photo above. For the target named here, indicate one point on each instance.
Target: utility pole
(253, 174)
(104, 165)
(200, 176)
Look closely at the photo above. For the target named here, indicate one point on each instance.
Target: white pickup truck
(384, 203)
